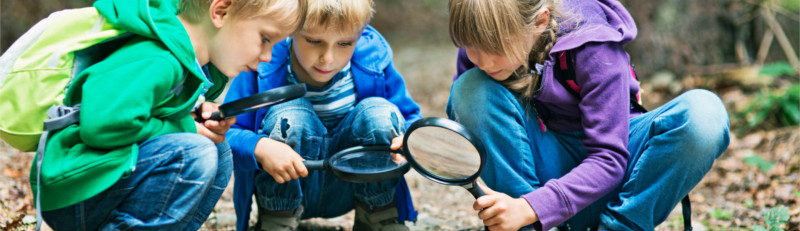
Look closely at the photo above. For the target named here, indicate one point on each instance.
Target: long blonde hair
(502, 27)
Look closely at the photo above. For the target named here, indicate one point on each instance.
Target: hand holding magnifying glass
(255, 102)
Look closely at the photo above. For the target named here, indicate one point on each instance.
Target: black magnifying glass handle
(255, 102)
(216, 116)
(474, 189)
(314, 164)
(199, 115)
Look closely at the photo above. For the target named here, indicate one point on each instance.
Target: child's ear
(218, 10)
(542, 20)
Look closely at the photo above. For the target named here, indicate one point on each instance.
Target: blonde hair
(503, 27)
(345, 15)
(195, 10)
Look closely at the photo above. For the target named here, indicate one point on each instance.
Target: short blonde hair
(195, 10)
(345, 15)
(502, 27)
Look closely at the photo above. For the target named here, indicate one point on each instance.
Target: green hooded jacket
(121, 100)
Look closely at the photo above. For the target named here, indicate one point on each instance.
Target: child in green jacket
(136, 160)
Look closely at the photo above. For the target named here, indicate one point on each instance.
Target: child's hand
(279, 160)
(397, 142)
(214, 130)
(501, 212)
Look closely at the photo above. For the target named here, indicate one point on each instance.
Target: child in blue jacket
(355, 97)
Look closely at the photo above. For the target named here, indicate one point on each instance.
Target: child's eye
(347, 44)
(312, 41)
(264, 39)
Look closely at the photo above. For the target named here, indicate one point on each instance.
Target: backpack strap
(61, 116)
(686, 207)
(565, 74)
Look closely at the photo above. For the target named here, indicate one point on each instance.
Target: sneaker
(286, 220)
(383, 218)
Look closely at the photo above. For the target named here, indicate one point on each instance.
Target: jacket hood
(372, 54)
(155, 19)
(599, 21)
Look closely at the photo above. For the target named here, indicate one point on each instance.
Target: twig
(763, 49)
(711, 69)
(773, 25)
(741, 52)
(786, 13)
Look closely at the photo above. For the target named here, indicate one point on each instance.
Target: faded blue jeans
(671, 149)
(177, 181)
(374, 120)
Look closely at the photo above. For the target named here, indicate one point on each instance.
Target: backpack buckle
(61, 116)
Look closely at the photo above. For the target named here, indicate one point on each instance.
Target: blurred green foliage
(777, 69)
(760, 162)
(748, 203)
(721, 214)
(791, 5)
(774, 218)
(773, 107)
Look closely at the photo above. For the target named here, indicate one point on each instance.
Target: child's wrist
(530, 214)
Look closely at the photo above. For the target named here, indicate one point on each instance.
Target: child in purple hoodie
(585, 160)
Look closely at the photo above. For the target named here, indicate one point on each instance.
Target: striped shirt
(334, 101)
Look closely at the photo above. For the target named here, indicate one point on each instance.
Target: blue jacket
(374, 75)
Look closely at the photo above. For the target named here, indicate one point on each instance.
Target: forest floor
(734, 195)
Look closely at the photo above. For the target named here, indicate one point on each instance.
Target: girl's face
(499, 67)
(321, 53)
(244, 42)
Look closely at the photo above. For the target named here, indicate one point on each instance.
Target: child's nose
(326, 56)
(266, 55)
(484, 62)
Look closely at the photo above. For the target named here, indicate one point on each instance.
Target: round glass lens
(443, 152)
(365, 162)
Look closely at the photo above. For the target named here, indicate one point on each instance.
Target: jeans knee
(200, 159)
(292, 120)
(377, 119)
(708, 120)
(475, 93)
(697, 123)
(473, 88)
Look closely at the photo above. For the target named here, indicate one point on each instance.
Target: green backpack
(36, 70)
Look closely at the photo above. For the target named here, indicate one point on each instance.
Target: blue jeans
(373, 121)
(177, 181)
(671, 149)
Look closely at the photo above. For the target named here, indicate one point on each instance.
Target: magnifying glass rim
(452, 126)
(361, 177)
(263, 99)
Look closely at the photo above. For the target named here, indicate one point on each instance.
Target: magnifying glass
(362, 164)
(257, 101)
(445, 152)
(440, 149)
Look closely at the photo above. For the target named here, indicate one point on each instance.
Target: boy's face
(241, 43)
(321, 53)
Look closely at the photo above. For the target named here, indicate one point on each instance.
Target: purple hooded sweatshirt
(602, 112)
